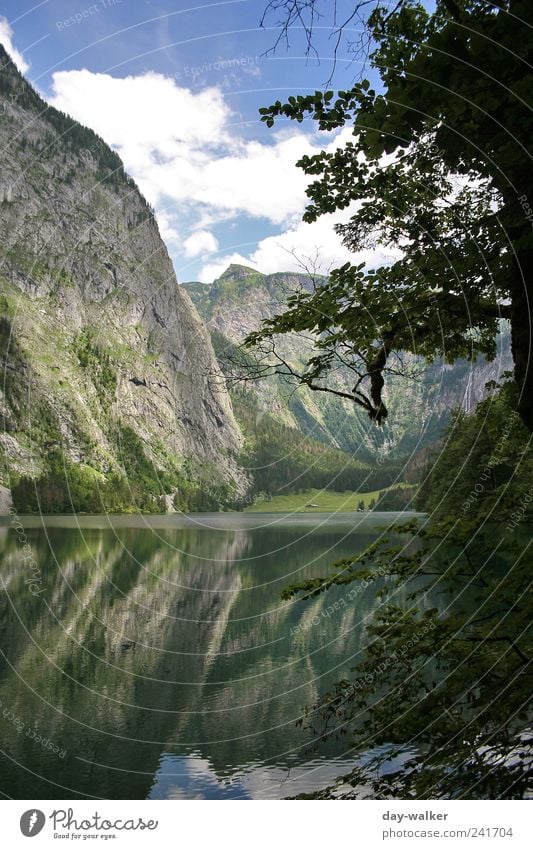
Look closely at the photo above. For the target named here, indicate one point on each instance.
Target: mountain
(419, 405)
(109, 381)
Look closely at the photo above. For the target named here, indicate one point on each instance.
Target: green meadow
(315, 501)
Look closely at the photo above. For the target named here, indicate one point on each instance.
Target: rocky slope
(100, 347)
(419, 405)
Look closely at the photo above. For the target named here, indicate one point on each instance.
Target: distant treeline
(280, 459)
(399, 498)
(139, 486)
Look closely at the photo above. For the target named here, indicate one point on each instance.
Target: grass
(326, 501)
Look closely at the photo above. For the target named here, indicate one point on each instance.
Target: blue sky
(175, 89)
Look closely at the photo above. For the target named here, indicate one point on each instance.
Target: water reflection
(157, 659)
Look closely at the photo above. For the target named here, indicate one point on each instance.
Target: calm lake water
(152, 657)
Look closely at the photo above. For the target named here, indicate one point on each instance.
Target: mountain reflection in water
(158, 660)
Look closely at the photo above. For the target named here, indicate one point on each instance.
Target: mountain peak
(238, 272)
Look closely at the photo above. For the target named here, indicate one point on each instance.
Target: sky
(175, 88)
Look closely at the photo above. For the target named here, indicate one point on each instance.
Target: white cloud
(166, 227)
(6, 35)
(185, 151)
(200, 242)
(148, 111)
(315, 247)
(181, 148)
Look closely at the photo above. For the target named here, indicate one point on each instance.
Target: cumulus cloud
(179, 147)
(6, 36)
(303, 247)
(184, 150)
(148, 111)
(167, 229)
(200, 242)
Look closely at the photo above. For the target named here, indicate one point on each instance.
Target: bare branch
(305, 15)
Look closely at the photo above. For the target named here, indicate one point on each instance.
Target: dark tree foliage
(439, 704)
(484, 467)
(439, 166)
(400, 498)
(138, 486)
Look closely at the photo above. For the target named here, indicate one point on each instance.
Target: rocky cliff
(106, 363)
(419, 404)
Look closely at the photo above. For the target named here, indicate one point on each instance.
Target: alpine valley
(112, 397)
(420, 400)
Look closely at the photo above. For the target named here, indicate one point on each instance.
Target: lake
(152, 656)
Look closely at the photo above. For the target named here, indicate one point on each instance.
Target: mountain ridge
(419, 405)
(107, 364)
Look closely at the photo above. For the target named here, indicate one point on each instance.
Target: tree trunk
(522, 332)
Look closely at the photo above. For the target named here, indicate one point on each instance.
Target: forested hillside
(420, 400)
(483, 468)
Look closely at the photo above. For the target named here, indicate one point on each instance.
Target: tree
(440, 704)
(439, 170)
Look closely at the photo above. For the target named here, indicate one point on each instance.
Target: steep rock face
(96, 332)
(419, 404)
(233, 306)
